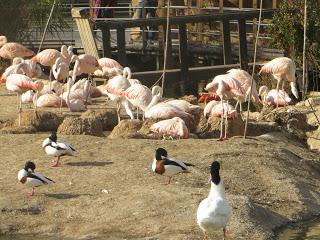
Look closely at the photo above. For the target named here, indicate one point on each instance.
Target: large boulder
(127, 128)
(81, 126)
(40, 120)
(211, 128)
(108, 117)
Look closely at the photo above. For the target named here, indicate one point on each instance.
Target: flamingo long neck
(127, 73)
(69, 84)
(156, 96)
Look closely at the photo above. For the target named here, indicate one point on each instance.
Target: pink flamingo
(115, 91)
(216, 109)
(109, 67)
(187, 107)
(166, 111)
(128, 74)
(75, 105)
(174, 127)
(226, 87)
(245, 79)
(49, 100)
(60, 71)
(11, 50)
(142, 97)
(274, 97)
(283, 69)
(20, 83)
(79, 90)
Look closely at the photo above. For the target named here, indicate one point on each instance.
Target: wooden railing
(183, 74)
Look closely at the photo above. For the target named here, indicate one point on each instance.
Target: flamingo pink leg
(226, 122)
(63, 81)
(20, 108)
(118, 112)
(221, 124)
(278, 83)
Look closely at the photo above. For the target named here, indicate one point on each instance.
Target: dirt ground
(108, 191)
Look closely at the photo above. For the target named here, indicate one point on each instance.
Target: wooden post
(240, 3)
(106, 41)
(227, 57)
(274, 4)
(199, 27)
(221, 5)
(243, 44)
(254, 22)
(169, 63)
(186, 85)
(121, 44)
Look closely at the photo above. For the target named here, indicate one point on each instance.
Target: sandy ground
(108, 190)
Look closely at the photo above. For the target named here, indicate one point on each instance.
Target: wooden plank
(227, 55)
(106, 42)
(173, 75)
(226, 15)
(121, 44)
(240, 3)
(184, 63)
(254, 24)
(243, 55)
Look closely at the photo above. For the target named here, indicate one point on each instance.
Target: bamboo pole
(304, 85)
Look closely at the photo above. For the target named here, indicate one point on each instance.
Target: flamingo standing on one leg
(60, 71)
(47, 58)
(283, 69)
(226, 87)
(10, 50)
(20, 83)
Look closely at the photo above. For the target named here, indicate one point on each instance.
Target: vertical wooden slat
(227, 58)
(186, 85)
(243, 44)
(199, 25)
(254, 22)
(121, 43)
(169, 48)
(106, 41)
(274, 4)
(240, 3)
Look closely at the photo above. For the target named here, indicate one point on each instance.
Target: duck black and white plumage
(167, 166)
(214, 212)
(33, 179)
(57, 149)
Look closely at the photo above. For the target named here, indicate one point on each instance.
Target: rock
(40, 120)
(127, 128)
(81, 125)
(18, 130)
(145, 129)
(211, 127)
(282, 117)
(108, 117)
(259, 128)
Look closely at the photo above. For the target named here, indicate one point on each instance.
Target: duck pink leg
(31, 193)
(56, 163)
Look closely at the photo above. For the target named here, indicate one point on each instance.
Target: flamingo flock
(174, 118)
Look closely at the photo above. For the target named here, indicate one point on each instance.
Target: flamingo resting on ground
(10, 50)
(274, 97)
(226, 87)
(283, 69)
(174, 128)
(109, 68)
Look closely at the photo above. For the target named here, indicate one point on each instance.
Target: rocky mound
(108, 117)
(127, 128)
(81, 125)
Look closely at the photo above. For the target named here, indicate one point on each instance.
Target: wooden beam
(187, 87)
(106, 42)
(226, 15)
(121, 44)
(240, 3)
(274, 4)
(169, 63)
(254, 23)
(227, 56)
(243, 52)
